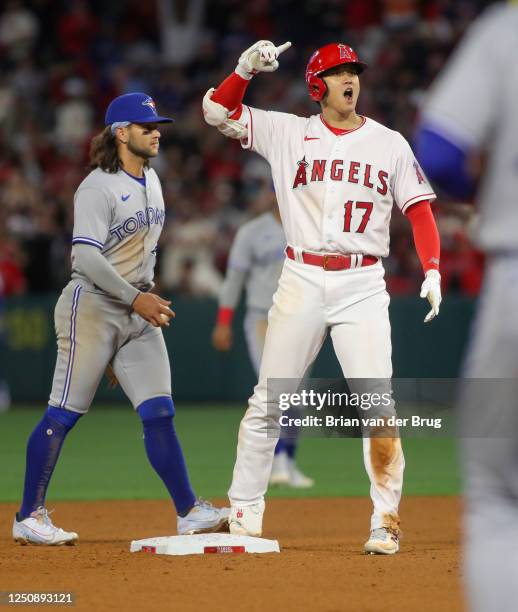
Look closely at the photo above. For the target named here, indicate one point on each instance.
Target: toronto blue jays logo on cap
(134, 107)
(151, 103)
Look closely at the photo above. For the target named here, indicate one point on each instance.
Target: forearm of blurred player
(89, 261)
(426, 235)
(230, 294)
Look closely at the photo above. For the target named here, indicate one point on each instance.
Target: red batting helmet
(328, 57)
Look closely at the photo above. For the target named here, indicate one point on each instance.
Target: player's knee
(64, 417)
(156, 408)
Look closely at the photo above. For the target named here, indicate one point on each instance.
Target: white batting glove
(217, 115)
(260, 57)
(431, 289)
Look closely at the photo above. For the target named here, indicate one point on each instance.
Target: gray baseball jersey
(474, 104)
(256, 259)
(123, 219)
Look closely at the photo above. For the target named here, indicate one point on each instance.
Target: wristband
(225, 316)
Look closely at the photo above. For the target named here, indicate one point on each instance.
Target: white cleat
(38, 529)
(203, 518)
(280, 474)
(298, 480)
(382, 541)
(247, 520)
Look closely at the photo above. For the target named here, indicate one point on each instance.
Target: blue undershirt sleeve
(444, 163)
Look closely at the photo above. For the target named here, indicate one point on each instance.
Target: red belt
(333, 261)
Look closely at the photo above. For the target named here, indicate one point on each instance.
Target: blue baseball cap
(135, 107)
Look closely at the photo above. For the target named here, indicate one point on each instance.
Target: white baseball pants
(353, 305)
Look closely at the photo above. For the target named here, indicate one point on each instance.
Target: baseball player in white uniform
(472, 109)
(255, 261)
(336, 176)
(107, 317)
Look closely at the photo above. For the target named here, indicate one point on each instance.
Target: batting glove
(260, 57)
(431, 289)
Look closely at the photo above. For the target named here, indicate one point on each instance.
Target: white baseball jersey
(336, 193)
(473, 103)
(122, 218)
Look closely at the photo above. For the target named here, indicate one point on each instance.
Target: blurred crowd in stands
(61, 62)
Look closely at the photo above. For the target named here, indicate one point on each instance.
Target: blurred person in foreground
(472, 110)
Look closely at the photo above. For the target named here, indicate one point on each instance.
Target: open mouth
(348, 93)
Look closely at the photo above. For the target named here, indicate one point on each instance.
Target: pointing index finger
(281, 48)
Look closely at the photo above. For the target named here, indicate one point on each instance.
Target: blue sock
(290, 448)
(280, 448)
(164, 451)
(43, 450)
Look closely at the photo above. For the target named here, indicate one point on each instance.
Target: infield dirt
(321, 566)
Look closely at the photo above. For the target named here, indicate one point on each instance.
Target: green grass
(104, 457)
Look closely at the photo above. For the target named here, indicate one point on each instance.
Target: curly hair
(103, 152)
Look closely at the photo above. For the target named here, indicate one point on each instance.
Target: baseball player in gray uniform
(256, 259)
(107, 317)
(472, 109)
